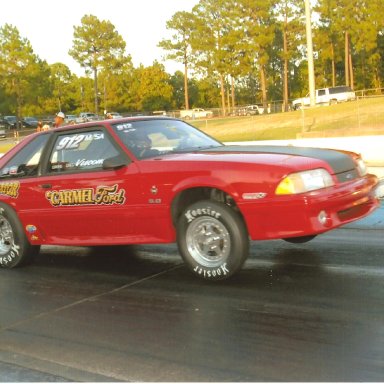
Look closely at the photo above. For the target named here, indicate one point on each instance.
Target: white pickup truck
(326, 96)
(195, 113)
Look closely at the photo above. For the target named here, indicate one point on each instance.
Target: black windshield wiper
(195, 149)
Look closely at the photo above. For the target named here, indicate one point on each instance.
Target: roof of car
(114, 121)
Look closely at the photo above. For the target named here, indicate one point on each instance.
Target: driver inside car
(141, 145)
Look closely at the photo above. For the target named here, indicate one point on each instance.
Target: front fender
(205, 182)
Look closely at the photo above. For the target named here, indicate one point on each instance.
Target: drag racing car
(144, 180)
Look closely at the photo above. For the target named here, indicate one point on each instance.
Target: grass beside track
(356, 118)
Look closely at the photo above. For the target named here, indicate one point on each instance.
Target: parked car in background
(11, 122)
(30, 122)
(326, 96)
(115, 115)
(86, 116)
(195, 113)
(145, 180)
(250, 110)
(70, 119)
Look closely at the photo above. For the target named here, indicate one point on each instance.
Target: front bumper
(311, 213)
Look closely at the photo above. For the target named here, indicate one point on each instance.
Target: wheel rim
(208, 241)
(6, 236)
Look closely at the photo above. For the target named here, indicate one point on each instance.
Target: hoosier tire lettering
(192, 214)
(13, 254)
(222, 271)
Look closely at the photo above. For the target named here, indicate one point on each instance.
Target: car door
(75, 200)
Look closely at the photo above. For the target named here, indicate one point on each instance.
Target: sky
(48, 25)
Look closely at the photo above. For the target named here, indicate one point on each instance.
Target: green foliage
(215, 42)
(22, 73)
(364, 24)
(62, 87)
(97, 45)
(235, 52)
(152, 89)
(178, 84)
(179, 47)
(255, 24)
(115, 87)
(208, 93)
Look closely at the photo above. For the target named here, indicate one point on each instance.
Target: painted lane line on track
(88, 299)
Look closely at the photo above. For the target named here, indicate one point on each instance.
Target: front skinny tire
(212, 240)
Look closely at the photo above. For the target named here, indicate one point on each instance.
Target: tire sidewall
(20, 249)
(239, 243)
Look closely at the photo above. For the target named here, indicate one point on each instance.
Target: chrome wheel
(208, 241)
(6, 236)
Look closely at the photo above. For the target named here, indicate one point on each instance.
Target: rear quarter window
(81, 151)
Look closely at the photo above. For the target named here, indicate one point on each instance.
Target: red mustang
(160, 180)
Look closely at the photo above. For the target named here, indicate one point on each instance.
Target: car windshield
(149, 138)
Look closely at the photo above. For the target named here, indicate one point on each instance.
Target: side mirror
(115, 162)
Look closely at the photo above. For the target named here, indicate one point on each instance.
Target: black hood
(340, 162)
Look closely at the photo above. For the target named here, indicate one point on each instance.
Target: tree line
(234, 52)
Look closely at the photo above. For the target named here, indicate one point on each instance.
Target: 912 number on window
(73, 142)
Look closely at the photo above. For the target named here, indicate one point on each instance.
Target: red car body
(128, 198)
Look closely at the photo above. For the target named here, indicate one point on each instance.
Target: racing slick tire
(15, 249)
(300, 239)
(212, 240)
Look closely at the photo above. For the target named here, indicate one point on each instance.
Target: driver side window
(26, 162)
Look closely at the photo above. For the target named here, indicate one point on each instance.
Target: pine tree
(97, 45)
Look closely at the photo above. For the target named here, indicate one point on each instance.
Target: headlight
(361, 167)
(305, 181)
